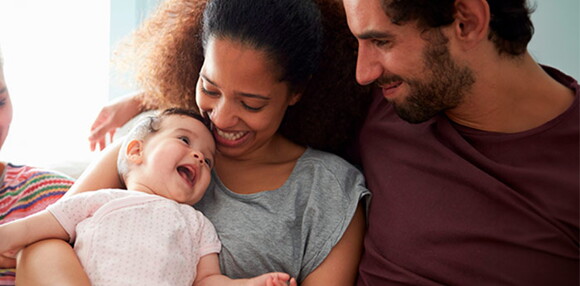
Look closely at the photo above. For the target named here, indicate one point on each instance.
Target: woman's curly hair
(167, 54)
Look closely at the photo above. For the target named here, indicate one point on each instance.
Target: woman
(277, 204)
(24, 190)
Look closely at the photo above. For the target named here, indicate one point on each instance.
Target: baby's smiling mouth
(187, 173)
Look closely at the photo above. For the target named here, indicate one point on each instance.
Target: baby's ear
(134, 151)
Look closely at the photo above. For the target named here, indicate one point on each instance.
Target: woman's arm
(114, 115)
(341, 265)
(101, 174)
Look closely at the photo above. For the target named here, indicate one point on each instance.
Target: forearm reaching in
(112, 116)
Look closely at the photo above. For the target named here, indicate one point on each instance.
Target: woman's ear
(134, 151)
(472, 19)
(294, 98)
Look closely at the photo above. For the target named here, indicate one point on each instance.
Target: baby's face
(178, 159)
(5, 109)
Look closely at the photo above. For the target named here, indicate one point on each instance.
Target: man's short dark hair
(511, 28)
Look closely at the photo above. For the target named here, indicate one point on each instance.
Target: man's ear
(134, 151)
(472, 19)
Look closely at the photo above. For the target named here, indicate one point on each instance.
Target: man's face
(414, 68)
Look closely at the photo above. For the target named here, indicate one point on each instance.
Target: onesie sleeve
(209, 241)
(70, 211)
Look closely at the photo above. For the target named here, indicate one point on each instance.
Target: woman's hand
(9, 235)
(114, 115)
(7, 260)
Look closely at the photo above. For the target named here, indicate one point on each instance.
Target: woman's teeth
(230, 135)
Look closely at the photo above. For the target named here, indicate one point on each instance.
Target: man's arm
(19, 233)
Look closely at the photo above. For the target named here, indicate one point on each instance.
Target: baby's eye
(208, 162)
(185, 139)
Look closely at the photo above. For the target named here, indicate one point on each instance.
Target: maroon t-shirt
(457, 206)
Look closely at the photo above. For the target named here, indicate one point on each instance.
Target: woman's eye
(3, 98)
(184, 139)
(251, 108)
(207, 92)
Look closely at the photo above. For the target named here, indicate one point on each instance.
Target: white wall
(56, 56)
(56, 69)
(556, 41)
(126, 16)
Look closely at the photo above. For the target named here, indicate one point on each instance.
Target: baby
(148, 234)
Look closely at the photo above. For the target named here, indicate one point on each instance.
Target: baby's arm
(208, 273)
(19, 233)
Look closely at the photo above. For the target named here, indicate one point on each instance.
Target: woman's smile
(230, 139)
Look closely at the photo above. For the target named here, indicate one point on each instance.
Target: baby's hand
(273, 279)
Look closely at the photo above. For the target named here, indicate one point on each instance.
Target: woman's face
(5, 109)
(239, 89)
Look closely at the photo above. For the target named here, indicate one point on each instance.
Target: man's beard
(443, 88)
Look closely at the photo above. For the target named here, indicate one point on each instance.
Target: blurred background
(57, 53)
(56, 56)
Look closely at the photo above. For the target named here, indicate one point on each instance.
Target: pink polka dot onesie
(133, 238)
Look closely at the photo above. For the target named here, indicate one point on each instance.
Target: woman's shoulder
(314, 158)
(319, 170)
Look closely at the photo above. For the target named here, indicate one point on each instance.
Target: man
(473, 157)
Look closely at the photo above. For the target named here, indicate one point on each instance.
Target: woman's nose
(223, 115)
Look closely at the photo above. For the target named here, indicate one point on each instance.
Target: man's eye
(380, 43)
(184, 139)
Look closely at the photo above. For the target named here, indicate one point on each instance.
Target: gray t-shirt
(291, 229)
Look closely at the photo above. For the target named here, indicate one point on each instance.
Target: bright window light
(56, 65)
